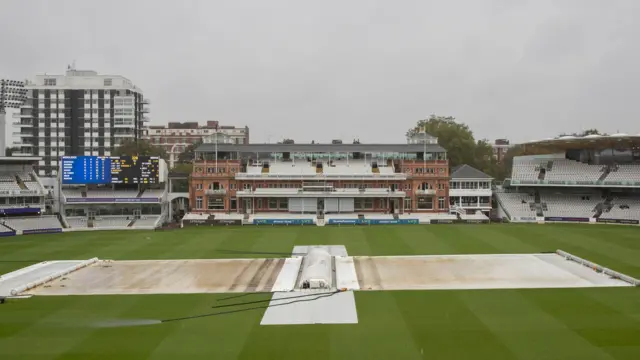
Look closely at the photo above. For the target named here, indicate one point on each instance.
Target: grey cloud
(336, 69)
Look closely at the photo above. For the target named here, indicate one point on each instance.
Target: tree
(584, 133)
(507, 160)
(181, 185)
(461, 146)
(142, 147)
(455, 137)
(188, 155)
(286, 141)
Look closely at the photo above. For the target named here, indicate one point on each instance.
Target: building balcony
(320, 177)
(329, 193)
(22, 123)
(146, 119)
(220, 192)
(425, 192)
(22, 116)
(21, 153)
(124, 126)
(146, 101)
(469, 192)
(145, 110)
(21, 144)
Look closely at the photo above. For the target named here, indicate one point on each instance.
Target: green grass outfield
(595, 323)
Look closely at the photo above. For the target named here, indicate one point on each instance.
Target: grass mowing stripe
(506, 240)
(65, 325)
(445, 328)
(607, 328)
(445, 324)
(614, 258)
(528, 329)
(592, 240)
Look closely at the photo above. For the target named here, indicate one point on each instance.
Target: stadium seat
(352, 167)
(108, 221)
(568, 205)
(527, 169)
(146, 220)
(517, 204)
(153, 193)
(624, 173)
(32, 223)
(623, 208)
(72, 193)
(77, 221)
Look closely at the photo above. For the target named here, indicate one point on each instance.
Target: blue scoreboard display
(110, 170)
(86, 170)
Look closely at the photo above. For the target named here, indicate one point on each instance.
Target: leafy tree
(188, 155)
(461, 146)
(287, 141)
(584, 133)
(142, 147)
(507, 160)
(455, 137)
(181, 185)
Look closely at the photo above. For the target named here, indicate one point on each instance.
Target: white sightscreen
(295, 205)
(310, 205)
(331, 205)
(346, 205)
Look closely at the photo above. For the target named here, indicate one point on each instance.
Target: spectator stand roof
(319, 148)
(591, 142)
(19, 160)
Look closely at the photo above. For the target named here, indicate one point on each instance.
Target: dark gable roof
(262, 148)
(467, 172)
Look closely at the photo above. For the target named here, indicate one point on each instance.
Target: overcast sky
(320, 70)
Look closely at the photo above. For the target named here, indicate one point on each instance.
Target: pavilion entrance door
(247, 206)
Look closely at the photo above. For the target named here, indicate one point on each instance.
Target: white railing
(614, 274)
(344, 192)
(470, 192)
(215, 192)
(425, 192)
(319, 177)
(21, 192)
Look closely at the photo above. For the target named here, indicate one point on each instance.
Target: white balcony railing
(22, 116)
(20, 192)
(425, 192)
(338, 192)
(215, 192)
(319, 177)
(469, 192)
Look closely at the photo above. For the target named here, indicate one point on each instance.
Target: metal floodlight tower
(12, 96)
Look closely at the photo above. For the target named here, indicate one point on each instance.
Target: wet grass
(595, 323)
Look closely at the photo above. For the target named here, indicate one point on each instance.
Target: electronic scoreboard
(110, 169)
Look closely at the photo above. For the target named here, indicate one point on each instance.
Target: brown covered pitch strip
(169, 277)
(499, 271)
